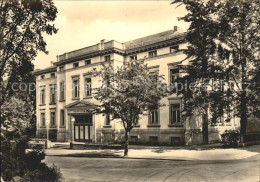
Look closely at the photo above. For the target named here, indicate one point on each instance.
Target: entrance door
(83, 128)
(83, 132)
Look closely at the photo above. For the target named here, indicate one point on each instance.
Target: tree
(128, 92)
(15, 134)
(22, 25)
(223, 47)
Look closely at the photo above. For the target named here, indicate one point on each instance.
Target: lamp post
(47, 132)
(72, 120)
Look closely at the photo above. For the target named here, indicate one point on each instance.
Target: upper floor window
(107, 58)
(152, 53)
(175, 113)
(88, 62)
(87, 86)
(42, 95)
(174, 49)
(42, 119)
(107, 119)
(61, 68)
(76, 88)
(52, 93)
(133, 57)
(154, 117)
(52, 75)
(62, 118)
(42, 76)
(53, 118)
(174, 76)
(62, 91)
(174, 73)
(75, 65)
(154, 69)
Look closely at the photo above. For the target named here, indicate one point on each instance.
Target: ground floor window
(175, 115)
(62, 118)
(43, 119)
(53, 118)
(154, 117)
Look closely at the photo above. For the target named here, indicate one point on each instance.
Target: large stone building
(64, 100)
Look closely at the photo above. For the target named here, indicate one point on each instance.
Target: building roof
(46, 70)
(143, 41)
(105, 47)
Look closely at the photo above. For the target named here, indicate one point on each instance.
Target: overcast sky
(84, 23)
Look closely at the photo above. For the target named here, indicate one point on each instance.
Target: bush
(230, 138)
(43, 173)
(19, 165)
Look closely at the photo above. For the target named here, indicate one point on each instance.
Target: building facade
(65, 99)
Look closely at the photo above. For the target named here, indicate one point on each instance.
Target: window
(154, 117)
(134, 138)
(53, 118)
(87, 62)
(87, 87)
(175, 140)
(152, 53)
(107, 58)
(75, 65)
(42, 119)
(174, 49)
(61, 68)
(62, 91)
(76, 88)
(62, 118)
(154, 70)
(133, 57)
(107, 119)
(175, 113)
(42, 95)
(42, 77)
(52, 75)
(153, 139)
(52, 93)
(174, 76)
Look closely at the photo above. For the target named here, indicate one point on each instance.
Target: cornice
(46, 70)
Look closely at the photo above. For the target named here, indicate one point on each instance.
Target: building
(64, 98)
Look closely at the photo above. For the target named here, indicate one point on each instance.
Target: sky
(85, 23)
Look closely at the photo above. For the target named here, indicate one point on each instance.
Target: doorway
(83, 128)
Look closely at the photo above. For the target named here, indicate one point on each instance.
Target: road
(140, 170)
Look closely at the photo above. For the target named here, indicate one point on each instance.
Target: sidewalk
(159, 153)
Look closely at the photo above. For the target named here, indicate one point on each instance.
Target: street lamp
(47, 132)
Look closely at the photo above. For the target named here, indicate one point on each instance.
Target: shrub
(230, 138)
(19, 165)
(43, 173)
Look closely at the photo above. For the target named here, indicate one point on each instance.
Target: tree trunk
(126, 143)
(205, 129)
(243, 99)
(243, 117)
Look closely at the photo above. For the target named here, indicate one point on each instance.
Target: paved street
(120, 169)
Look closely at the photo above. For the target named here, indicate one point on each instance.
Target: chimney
(175, 29)
(102, 43)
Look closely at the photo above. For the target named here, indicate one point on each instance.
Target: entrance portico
(82, 125)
